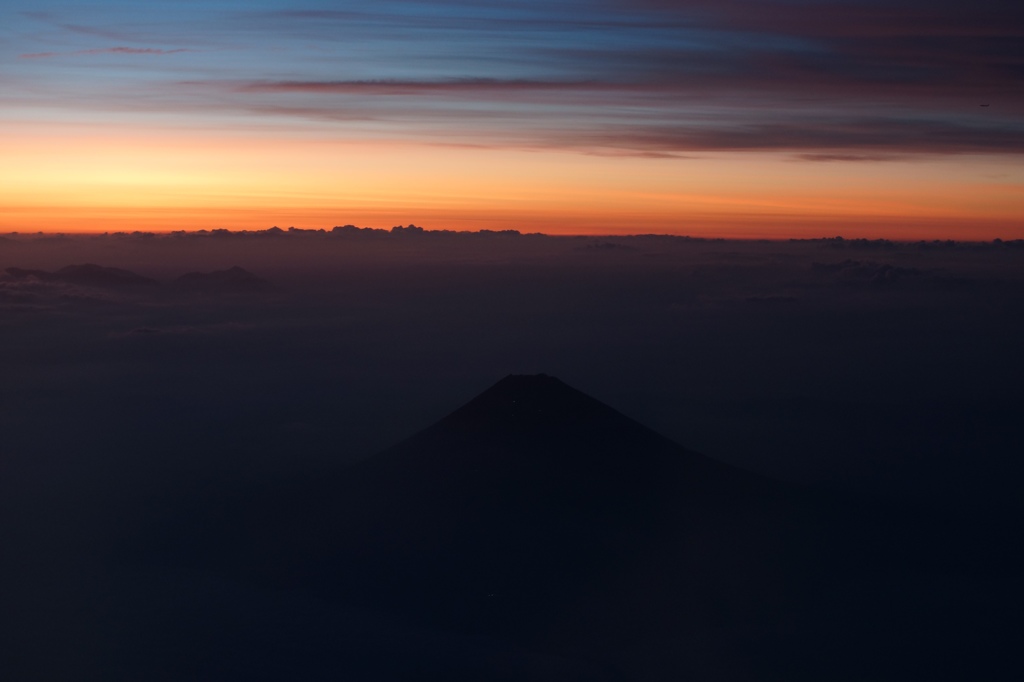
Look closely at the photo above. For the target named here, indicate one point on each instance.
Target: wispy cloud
(101, 32)
(848, 157)
(105, 50)
(848, 80)
(820, 140)
(630, 118)
(409, 87)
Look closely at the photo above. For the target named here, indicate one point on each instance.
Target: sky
(735, 118)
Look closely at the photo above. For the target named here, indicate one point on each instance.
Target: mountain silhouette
(89, 275)
(538, 516)
(234, 280)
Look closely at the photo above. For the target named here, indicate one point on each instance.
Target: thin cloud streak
(133, 50)
(395, 87)
(825, 158)
(883, 136)
(581, 116)
(105, 50)
(802, 81)
(860, 18)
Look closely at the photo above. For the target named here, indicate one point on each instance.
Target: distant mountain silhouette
(231, 281)
(539, 516)
(22, 273)
(89, 275)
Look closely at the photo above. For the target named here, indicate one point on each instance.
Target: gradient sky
(727, 117)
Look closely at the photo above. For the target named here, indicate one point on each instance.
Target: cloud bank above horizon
(744, 115)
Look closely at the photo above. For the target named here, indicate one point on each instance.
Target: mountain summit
(541, 412)
(526, 402)
(537, 432)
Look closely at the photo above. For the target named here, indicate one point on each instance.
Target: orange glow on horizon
(99, 179)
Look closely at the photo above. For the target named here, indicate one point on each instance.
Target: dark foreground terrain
(536, 533)
(189, 489)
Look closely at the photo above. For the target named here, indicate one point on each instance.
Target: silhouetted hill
(231, 281)
(89, 275)
(539, 517)
(22, 273)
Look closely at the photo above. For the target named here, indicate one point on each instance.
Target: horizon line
(413, 230)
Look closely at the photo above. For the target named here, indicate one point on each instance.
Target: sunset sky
(740, 118)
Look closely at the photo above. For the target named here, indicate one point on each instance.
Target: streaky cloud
(106, 50)
(881, 135)
(397, 87)
(847, 157)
